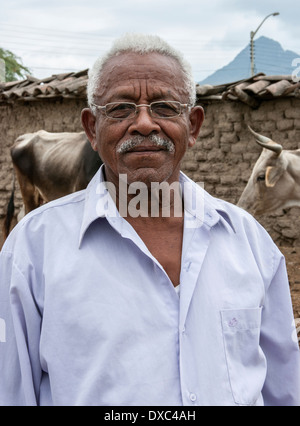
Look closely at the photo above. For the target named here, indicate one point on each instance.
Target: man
(105, 303)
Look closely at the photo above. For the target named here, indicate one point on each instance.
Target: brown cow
(51, 165)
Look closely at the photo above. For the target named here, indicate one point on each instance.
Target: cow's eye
(261, 178)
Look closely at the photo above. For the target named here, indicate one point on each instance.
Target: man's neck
(157, 200)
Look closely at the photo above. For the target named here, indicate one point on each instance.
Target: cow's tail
(9, 212)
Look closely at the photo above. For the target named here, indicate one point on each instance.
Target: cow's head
(272, 183)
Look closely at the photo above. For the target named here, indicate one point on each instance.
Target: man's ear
(88, 121)
(196, 121)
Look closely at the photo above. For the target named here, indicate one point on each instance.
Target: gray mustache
(131, 143)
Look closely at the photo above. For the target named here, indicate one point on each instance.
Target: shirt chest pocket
(246, 362)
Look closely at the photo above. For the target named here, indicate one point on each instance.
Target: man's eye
(165, 109)
(122, 107)
(119, 110)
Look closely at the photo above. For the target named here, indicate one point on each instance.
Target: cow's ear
(88, 122)
(273, 174)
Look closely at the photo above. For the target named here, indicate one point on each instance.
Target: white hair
(142, 44)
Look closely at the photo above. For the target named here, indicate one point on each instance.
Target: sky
(59, 36)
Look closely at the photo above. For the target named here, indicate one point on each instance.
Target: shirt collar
(202, 208)
(96, 202)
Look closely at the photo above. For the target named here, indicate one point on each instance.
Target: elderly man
(107, 300)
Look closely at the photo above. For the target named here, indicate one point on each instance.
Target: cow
(275, 179)
(49, 166)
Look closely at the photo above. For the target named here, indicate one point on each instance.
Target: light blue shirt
(89, 316)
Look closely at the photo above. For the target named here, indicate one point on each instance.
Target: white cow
(275, 179)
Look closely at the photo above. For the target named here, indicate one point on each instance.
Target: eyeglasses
(128, 110)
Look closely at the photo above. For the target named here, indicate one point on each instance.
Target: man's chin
(148, 175)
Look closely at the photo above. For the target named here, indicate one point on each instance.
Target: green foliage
(14, 69)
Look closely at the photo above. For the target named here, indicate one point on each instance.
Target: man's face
(142, 79)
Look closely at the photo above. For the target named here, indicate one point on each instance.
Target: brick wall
(222, 158)
(226, 152)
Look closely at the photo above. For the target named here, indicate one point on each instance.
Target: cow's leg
(28, 191)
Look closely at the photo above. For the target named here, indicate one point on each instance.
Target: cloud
(73, 33)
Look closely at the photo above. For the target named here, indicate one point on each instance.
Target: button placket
(193, 397)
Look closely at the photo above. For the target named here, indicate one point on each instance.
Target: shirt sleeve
(20, 371)
(279, 342)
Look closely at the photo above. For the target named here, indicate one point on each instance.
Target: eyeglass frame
(103, 107)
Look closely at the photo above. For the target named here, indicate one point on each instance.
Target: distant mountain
(270, 58)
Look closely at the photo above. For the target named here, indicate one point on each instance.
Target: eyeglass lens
(121, 110)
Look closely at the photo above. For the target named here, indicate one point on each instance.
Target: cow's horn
(267, 142)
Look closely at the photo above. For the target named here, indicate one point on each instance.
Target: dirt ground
(292, 256)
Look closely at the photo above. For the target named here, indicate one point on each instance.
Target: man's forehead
(133, 92)
(122, 72)
(134, 59)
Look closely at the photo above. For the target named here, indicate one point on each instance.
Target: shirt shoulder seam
(49, 206)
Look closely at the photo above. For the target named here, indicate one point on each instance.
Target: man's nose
(143, 123)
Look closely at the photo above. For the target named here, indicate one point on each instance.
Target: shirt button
(193, 397)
